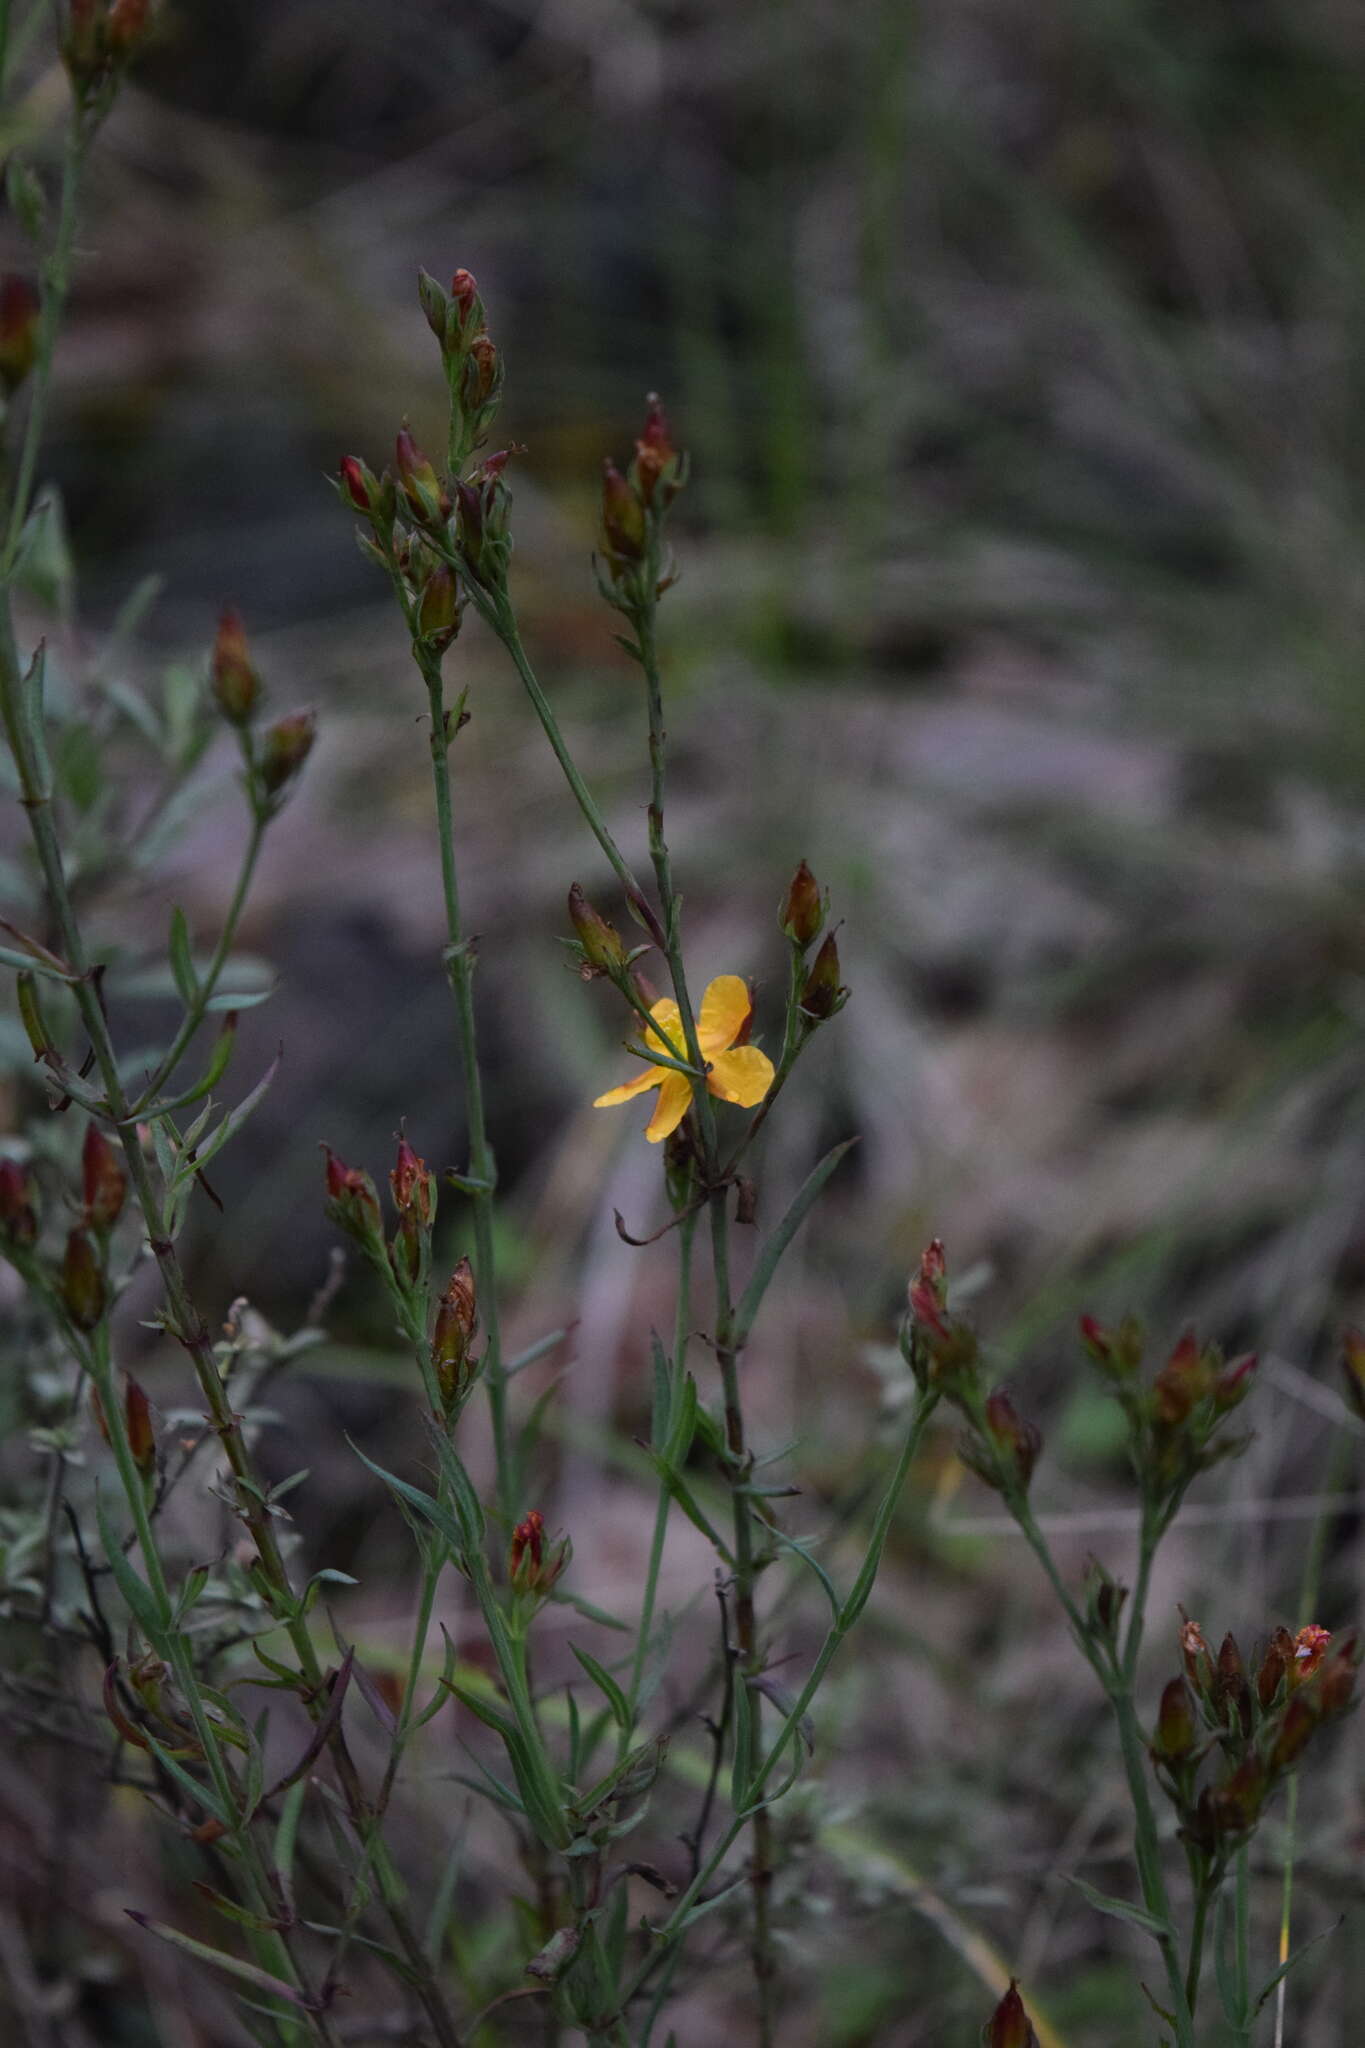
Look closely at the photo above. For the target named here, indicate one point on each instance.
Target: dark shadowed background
(1021, 355)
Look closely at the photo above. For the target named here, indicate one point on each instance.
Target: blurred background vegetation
(1021, 353)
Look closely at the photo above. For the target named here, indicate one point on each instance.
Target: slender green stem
(1241, 1946)
(1203, 1893)
(1118, 1684)
(1338, 1463)
(503, 621)
(737, 1469)
(198, 1009)
(1147, 1846)
(483, 1170)
(682, 1320)
(666, 1936)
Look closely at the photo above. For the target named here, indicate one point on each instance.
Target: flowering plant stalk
(1226, 1737)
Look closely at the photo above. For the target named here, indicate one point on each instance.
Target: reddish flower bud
(421, 485)
(18, 1205)
(104, 1183)
(457, 1319)
(1233, 1384)
(657, 470)
(822, 993)
(438, 608)
(1183, 1381)
(137, 1415)
(465, 293)
(1296, 1729)
(802, 912)
(1275, 1666)
(1104, 1598)
(528, 1541)
(1310, 1645)
(414, 1187)
(533, 1563)
(1017, 1442)
(236, 684)
(482, 379)
(1230, 1687)
(1353, 1369)
(1337, 1678)
(82, 1281)
(623, 521)
(928, 1291)
(363, 491)
(351, 1200)
(1175, 1724)
(1117, 1352)
(20, 316)
(1009, 2025)
(1237, 1802)
(83, 42)
(602, 950)
(127, 26)
(286, 746)
(1198, 1658)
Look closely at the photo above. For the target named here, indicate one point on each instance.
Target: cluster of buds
(1009, 2026)
(1253, 1723)
(452, 1356)
(634, 507)
(137, 1423)
(1173, 1423)
(464, 518)
(353, 1205)
(237, 690)
(801, 918)
(535, 1562)
(18, 1207)
(20, 316)
(473, 364)
(99, 38)
(943, 1353)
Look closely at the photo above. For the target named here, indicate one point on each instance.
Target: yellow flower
(736, 1073)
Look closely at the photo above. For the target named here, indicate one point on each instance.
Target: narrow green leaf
(480, 1705)
(229, 1127)
(798, 1546)
(182, 960)
(1292, 1961)
(235, 1966)
(782, 1236)
(413, 1497)
(1117, 1909)
(142, 1602)
(606, 1685)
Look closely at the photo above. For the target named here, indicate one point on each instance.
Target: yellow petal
(669, 1020)
(724, 1012)
(675, 1099)
(650, 1077)
(743, 1076)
